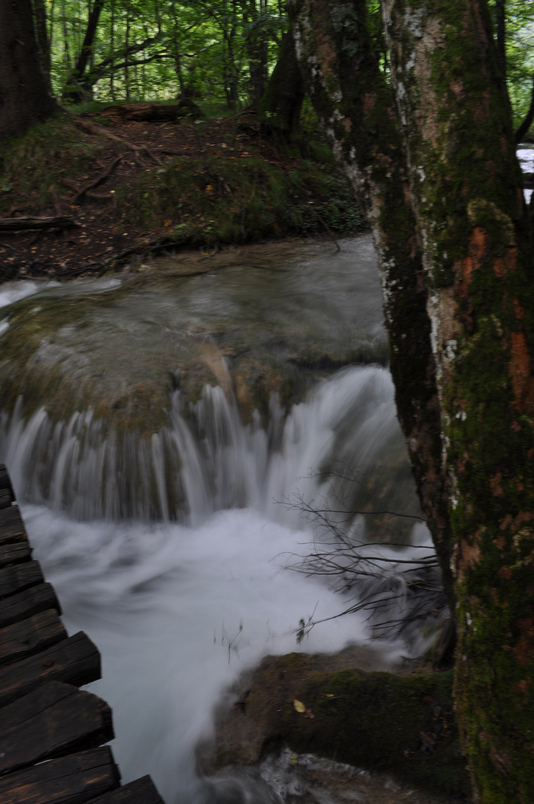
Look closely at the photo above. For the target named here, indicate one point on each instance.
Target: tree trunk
(281, 104)
(500, 16)
(356, 108)
(43, 43)
(466, 193)
(441, 185)
(75, 89)
(257, 51)
(24, 98)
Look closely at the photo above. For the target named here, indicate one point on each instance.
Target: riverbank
(115, 188)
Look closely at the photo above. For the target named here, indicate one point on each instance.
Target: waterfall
(205, 459)
(170, 544)
(179, 608)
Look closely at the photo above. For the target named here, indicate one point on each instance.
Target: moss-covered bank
(133, 188)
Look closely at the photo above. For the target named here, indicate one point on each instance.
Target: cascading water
(169, 549)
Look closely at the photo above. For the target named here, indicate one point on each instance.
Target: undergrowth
(223, 199)
(33, 164)
(203, 201)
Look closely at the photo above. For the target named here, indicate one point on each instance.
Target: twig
(329, 232)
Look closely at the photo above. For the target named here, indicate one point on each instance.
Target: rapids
(171, 549)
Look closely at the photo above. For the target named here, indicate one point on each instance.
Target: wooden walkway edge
(51, 732)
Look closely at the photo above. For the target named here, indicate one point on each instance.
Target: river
(161, 428)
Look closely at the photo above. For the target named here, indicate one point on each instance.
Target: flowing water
(167, 529)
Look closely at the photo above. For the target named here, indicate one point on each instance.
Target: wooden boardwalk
(43, 714)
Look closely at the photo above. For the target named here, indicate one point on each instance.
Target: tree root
(92, 128)
(95, 183)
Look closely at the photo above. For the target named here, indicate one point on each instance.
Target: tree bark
(438, 175)
(24, 98)
(43, 42)
(466, 193)
(500, 16)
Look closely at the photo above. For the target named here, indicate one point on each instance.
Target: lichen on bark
(443, 191)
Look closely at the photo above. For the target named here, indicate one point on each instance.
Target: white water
(526, 161)
(165, 602)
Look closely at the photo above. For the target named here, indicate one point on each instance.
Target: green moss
(32, 165)
(403, 725)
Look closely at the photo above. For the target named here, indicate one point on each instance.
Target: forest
(208, 124)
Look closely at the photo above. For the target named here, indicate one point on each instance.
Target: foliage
(220, 51)
(146, 49)
(519, 55)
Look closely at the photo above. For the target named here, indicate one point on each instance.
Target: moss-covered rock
(399, 724)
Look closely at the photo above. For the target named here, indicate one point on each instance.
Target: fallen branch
(92, 128)
(85, 190)
(20, 224)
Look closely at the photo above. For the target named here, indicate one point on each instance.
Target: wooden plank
(11, 525)
(54, 720)
(5, 498)
(23, 639)
(74, 660)
(19, 607)
(16, 579)
(69, 780)
(11, 554)
(5, 480)
(142, 791)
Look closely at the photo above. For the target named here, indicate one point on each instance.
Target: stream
(163, 429)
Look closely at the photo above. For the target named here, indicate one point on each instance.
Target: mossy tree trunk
(451, 131)
(466, 192)
(357, 110)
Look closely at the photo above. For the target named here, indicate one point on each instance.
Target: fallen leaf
(309, 713)
(299, 706)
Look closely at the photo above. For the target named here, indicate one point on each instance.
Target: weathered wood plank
(16, 579)
(5, 480)
(75, 660)
(5, 498)
(142, 791)
(54, 720)
(11, 554)
(11, 526)
(19, 607)
(69, 780)
(23, 639)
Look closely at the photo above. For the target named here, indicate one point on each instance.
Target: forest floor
(116, 188)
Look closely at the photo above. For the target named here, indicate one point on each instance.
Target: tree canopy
(219, 50)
